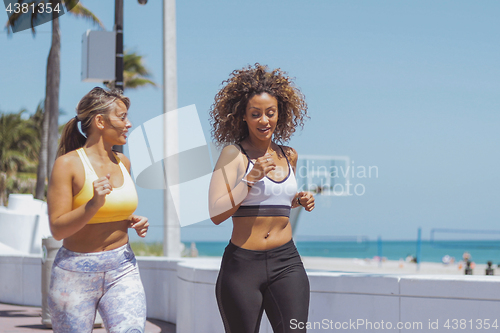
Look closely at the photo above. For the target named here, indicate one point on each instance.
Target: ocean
(480, 251)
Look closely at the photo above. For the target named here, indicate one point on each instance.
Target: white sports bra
(268, 197)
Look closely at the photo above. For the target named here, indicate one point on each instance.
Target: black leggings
(252, 281)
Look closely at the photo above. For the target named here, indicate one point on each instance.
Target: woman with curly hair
(254, 183)
(91, 201)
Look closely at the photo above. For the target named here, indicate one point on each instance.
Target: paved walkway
(15, 318)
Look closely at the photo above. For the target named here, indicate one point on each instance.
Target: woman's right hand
(261, 168)
(102, 187)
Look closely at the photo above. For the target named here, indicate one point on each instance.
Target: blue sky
(409, 87)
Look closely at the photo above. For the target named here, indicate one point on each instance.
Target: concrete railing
(21, 279)
(182, 291)
(23, 223)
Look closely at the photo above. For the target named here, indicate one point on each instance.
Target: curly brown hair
(226, 114)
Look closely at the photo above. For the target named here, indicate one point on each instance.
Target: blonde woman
(91, 201)
(254, 183)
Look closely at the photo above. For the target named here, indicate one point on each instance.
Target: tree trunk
(3, 188)
(41, 172)
(52, 94)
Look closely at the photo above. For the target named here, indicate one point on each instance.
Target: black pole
(119, 51)
(119, 44)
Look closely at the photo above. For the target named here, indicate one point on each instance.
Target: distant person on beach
(91, 201)
(254, 183)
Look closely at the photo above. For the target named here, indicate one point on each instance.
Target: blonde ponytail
(71, 138)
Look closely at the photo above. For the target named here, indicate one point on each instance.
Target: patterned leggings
(108, 281)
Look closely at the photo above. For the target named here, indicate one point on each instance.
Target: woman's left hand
(306, 199)
(140, 224)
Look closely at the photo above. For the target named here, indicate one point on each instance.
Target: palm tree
(19, 143)
(48, 148)
(19, 146)
(135, 73)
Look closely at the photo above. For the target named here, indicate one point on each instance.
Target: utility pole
(118, 28)
(171, 226)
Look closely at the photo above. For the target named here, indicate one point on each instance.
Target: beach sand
(388, 266)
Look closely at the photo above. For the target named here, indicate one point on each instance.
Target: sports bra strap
(86, 163)
(244, 151)
(284, 154)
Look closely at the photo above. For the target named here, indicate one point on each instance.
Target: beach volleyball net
(333, 246)
(465, 238)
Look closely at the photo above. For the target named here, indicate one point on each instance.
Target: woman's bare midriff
(98, 237)
(260, 233)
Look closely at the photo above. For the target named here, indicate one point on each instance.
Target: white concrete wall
(159, 277)
(182, 291)
(23, 224)
(197, 309)
(355, 301)
(436, 298)
(21, 279)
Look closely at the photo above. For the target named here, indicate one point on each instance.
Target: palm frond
(137, 82)
(135, 73)
(133, 62)
(80, 10)
(19, 142)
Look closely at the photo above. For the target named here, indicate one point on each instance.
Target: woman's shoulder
(123, 158)
(69, 158)
(291, 154)
(68, 163)
(231, 150)
(229, 153)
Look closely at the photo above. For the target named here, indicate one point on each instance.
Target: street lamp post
(118, 28)
(119, 44)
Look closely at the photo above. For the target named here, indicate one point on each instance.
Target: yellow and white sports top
(119, 204)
